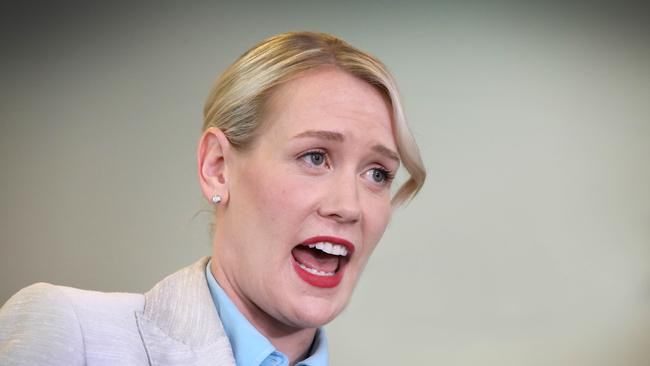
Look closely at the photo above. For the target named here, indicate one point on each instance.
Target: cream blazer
(175, 323)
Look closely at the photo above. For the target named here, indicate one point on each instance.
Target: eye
(315, 158)
(380, 175)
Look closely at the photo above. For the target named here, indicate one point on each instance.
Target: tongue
(315, 258)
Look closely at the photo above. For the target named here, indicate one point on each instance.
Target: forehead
(329, 99)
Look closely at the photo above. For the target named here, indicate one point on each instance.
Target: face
(308, 202)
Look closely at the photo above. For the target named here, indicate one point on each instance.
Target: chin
(316, 312)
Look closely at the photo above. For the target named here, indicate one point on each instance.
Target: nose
(341, 202)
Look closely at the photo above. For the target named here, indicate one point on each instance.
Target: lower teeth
(315, 271)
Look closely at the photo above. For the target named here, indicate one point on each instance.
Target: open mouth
(320, 261)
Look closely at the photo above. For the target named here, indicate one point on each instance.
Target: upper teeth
(329, 248)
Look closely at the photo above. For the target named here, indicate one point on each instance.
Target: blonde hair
(236, 102)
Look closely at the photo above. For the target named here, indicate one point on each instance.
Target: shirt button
(275, 359)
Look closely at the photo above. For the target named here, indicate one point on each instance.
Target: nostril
(347, 215)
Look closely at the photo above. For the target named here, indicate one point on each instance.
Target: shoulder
(48, 324)
(36, 293)
(38, 326)
(41, 301)
(68, 303)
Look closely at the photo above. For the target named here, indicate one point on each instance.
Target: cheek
(377, 221)
(278, 199)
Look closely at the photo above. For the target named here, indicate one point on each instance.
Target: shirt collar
(250, 347)
(318, 354)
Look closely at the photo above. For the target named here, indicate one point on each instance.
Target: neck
(293, 342)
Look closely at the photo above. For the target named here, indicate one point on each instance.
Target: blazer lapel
(180, 325)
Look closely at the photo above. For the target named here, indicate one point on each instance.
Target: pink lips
(325, 281)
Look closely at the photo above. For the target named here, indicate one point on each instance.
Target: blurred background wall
(529, 244)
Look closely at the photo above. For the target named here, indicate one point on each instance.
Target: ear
(212, 153)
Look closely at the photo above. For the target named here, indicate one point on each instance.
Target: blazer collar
(179, 323)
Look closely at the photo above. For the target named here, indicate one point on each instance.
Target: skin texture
(293, 184)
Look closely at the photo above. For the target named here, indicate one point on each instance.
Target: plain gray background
(529, 244)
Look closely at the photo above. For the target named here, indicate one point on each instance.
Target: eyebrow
(326, 135)
(383, 150)
(338, 137)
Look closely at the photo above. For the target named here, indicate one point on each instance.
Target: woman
(302, 137)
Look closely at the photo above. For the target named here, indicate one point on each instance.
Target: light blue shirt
(249, 346)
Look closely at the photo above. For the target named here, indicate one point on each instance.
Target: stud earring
(216, 199)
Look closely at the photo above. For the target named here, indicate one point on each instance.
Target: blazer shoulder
(38, 325)
(73, 303)
(37, 299)
(58, 325)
